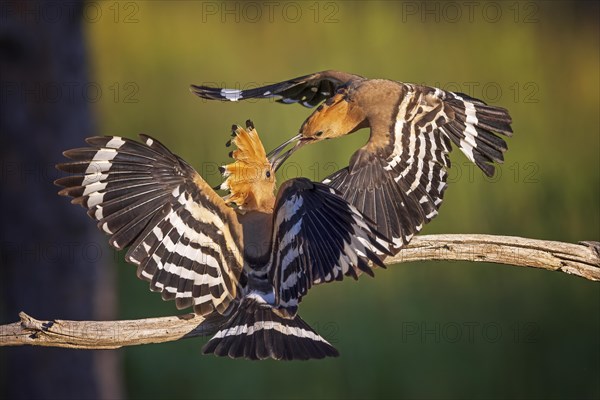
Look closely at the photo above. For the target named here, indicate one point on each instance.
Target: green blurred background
(421, 330)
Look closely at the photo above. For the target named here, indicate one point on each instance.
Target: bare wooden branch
(581, 259)
(104, 334)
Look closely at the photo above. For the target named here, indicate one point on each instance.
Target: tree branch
(581, 259)
(105, 334)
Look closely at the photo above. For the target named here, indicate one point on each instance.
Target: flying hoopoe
(398, 177)
(247, 258)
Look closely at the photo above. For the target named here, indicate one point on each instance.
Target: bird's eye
(268, 174)
(319, 134)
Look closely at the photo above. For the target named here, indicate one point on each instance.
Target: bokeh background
(419, 330)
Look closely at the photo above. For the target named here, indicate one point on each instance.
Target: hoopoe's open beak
(278, 156)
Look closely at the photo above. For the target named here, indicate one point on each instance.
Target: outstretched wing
(318, 237)
(401, 186)
(180, 233)
(308, 90)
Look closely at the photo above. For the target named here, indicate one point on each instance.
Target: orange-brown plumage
(250, 178)
(334, 118)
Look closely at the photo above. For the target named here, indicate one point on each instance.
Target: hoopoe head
(250, 179)
(338, 116)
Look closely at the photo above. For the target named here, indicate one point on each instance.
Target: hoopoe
(398, 177)
(247, 258)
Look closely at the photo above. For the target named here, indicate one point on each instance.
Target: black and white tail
(256, 332)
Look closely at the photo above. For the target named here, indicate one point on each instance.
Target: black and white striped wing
(318, 237)
(425, 123)
(308, 90)
(473, 126)
(180, 233)
(368, 186)
(427, 120)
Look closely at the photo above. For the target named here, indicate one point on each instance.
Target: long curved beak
(277, 156)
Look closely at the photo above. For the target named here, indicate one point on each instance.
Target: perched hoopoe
(399, 177)
(249, 265)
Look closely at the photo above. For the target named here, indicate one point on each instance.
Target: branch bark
(581, 259)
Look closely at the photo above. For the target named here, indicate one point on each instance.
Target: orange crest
(250, 178)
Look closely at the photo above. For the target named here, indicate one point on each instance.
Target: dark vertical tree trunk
(53, 262)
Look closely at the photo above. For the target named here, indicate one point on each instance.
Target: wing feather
(407, 175)
(307, 90)
(182, 236)
(318, 237)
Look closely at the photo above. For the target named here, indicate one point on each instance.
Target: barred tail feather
(256, 332)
